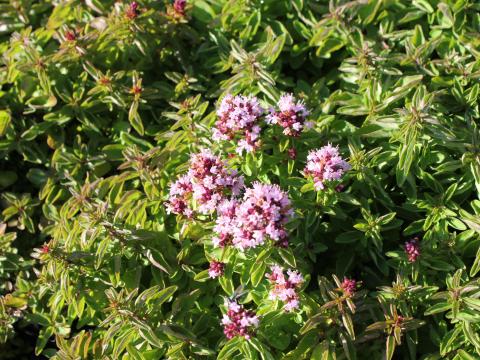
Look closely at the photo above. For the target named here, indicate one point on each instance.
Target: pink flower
(412, 249)
(325, 164)
(179, 7)
(292, 153)
(180, 191)
(285, 288)
(238, 321)
(226, 223)
(70, 35)
(132, 10)
(208, 182)
(216, 269)
(291, 115)
(349, 286)
(238, 117)
(260, 215)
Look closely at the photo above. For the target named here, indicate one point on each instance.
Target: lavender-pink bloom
(291, 115)
(238, 117)
(238, 321)
(180, 191)
(208, 182)
(325, 164)
(262, 214)
(226, 223)
(285, 288)
(216, 269)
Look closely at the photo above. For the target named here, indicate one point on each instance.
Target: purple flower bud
(349, 286)
(339, 188)
(292, 153)
(132, 10)
(216, 269)
(70, 35)
(179, 7)
(412, 249)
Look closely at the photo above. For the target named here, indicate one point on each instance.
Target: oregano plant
(239, 179)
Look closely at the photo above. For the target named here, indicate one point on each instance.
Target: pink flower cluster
(325, 164)
(349, 286)
(226, 223)
(291, 116)
(285, 289)
(216, 269)
(207, 183)
(239, 116)
(261, 214)
(412, 249)
(238, 321)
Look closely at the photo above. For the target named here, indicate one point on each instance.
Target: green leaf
(257, 273)
(406, 156)
(465, 356)
(472, 303)
(135, 119)
(14, 302)
(230, 348)
(385, 219)
(349, 237)
(273, 49)
(423, 5)
(37, 177)
(42, 339)
(8, 178)
(203, 11)
(476, 264)
(438, 308)
(348, 323)
(154, 293)
(262, 349)
(323, 352)
(42, 102)
(227, 285)
(149, 335)
(390, 347)
(288, 257)
(471, 334)
(5, 119)
(448, 340)
(202, 276)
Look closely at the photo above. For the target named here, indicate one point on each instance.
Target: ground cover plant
(240, 179)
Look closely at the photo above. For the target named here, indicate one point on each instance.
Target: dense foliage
(240, 179)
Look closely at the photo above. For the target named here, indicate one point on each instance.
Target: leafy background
(93, 130)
